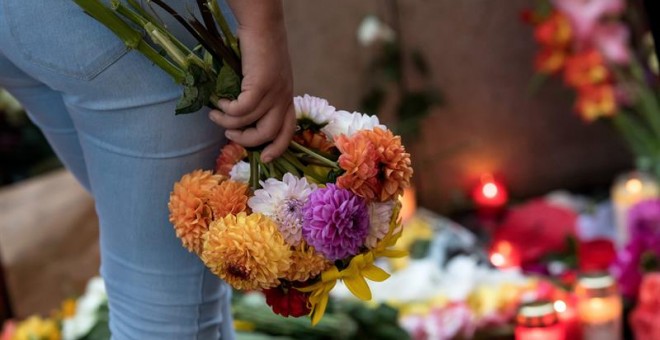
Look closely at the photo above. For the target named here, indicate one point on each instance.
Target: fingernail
(229, 134)
(212, 116)
(266, 158)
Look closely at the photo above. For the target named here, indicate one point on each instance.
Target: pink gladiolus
(585, 14)
(612, 41)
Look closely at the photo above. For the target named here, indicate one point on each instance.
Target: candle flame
(560, 306)
(497, 259)
(633, 185)
(490, 190)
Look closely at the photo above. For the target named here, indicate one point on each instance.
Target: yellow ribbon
(360, 267)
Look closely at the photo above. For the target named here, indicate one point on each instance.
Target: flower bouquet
(325, 211)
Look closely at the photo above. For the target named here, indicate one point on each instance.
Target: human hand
(263, 112)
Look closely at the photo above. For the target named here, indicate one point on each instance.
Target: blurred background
(464, 84)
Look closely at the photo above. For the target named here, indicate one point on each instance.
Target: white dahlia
(315, 109)
(346, 123)
(282, 201)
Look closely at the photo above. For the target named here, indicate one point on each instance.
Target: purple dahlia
(335, 222)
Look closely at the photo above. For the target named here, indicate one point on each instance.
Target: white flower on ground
(87, 307)
(380, 215)
(346, 123)
(282, 201)
(315, 109)
(373, 30)
(240, 172)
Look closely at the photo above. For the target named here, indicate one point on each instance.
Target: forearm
(257, 14)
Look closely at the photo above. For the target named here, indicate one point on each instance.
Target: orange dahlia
(230, 154)
(189, 210)
(228, 198)
(394, 168)
(247, 251)
(317, 141)
(306, 263)
(360, 161)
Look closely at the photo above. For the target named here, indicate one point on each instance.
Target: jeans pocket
(58, 36)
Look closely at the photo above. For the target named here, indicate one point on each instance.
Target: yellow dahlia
(359, 160)
(306, 263)
(394, 168)
(247, 251)
(228, 198)
(230, 154)
(189, 210)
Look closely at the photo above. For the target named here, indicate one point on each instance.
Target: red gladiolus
(287, 301)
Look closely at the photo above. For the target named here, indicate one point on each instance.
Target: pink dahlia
(335, 222)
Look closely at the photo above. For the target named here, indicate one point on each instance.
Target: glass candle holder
(538, 321)
(629, 189)
(599, 307)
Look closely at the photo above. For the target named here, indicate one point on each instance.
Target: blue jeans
(109, 115)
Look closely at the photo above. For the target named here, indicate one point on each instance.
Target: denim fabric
(108, 112)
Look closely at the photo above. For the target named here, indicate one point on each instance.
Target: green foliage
(197, 88)
(101, 330)
(380, 323)
(228, 84)
(414, 105)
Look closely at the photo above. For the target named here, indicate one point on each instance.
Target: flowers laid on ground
(642, 252)
(321, 213)
(591, 45)
(84, 318)
(645, 318)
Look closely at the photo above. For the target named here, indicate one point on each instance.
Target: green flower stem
(650, 109)
(207, 18)
(287, 166)
(140, 17)
(130, 37)
(637, 137)
(264, 170)
(273, 171)
(254, 170)
(291, 158)
(161, 39)
(222, 22)
(314, 155)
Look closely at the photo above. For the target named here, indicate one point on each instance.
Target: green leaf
(197, 88)
(228, 84)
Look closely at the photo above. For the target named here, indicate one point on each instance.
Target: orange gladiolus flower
(594, 102)
(555, 31)
(585, 68)
(550, 61)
